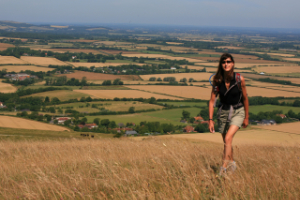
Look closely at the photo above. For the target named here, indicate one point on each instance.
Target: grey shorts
(237, 119)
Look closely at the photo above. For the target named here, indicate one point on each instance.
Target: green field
(164, 116)
(265, 108)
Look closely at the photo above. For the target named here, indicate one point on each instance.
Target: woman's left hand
(245, 122)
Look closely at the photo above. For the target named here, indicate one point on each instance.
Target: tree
(131, 110)
(159, 79)
(105, 122)
(112, 124)
(55, 100)
(185, 114)
(152, 100)
(97, 121)
(47, 100)
(83, 120)
(67, 122)
(200, 128)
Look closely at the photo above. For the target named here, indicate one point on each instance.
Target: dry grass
(179, 91)
(178, 76)
(286, 127)
(44, 61)
(11, 60)
(149, 169)
(15, 122)
(99, 76)
(111, 94)
(7, 88)
(273, 135)
(18, 68)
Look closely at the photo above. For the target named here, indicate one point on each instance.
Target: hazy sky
(237, 13)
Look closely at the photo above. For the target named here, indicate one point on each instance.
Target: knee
(228, 140)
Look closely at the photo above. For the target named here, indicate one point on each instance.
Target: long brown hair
(219, 77)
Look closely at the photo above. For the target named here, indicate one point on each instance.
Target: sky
(233, 13)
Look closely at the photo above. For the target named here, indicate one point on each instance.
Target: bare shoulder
(243, 81)
(242, 78)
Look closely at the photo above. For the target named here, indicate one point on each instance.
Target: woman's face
(227, 64)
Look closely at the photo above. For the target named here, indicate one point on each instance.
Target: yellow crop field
(292, 59)
(293, 80)
(242, 65)
(44, 61)
(212, 69)
(72, 50)
(179, 91)
(178, 76)
(7, 88)
(111, 94)
(62, 95)
(15, 122)
(18, 68)
(276, 70)
(174, 43)
(11, 60)
(264, 92)
(162, 57)
(107, 64)
(286, 128)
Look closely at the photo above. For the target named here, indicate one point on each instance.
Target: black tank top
(232, 97)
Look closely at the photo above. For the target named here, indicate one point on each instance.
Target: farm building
(61, 120)
(128, 133)
(89, 126)
(198, 118)
(189, 129)
(281, 115)
(122, 129)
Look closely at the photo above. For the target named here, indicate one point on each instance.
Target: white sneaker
(231, 167)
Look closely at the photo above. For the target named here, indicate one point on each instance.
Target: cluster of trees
(152, 127)
(115, 82)
(35, 116)
(62, 80)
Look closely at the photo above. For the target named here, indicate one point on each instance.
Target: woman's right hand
(211, 126)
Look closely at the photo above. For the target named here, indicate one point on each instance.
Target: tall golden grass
(147, 169)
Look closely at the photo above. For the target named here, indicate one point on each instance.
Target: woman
(233, 108)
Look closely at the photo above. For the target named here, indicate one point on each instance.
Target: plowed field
(15, 122)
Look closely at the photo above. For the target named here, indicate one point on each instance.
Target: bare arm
(211, 111)
(246, 102)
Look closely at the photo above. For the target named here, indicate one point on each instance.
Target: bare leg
(227, 139)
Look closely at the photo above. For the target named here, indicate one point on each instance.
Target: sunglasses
(226, 61)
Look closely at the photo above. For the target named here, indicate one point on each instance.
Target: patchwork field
(230, 47)
(18, 68)
(44, 61)
(4, 46)
(292, 128)
(178, 76)
(15, 122)
(99, 76)
(268, 108)
(111, 94)
(107, 64)
(11, 60)
(62, 95)
(245, 65)
(178, 91)
(7, 88)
